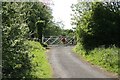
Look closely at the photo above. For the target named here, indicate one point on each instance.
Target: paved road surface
(66, 65)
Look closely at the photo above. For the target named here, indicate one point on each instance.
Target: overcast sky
(61, 11)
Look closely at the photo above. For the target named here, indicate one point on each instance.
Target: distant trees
(42, 15)
(97, 23)
(53, 29)
(68, 32)
(37, 14)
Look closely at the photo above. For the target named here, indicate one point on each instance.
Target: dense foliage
(18, 23)
(98, 32)
(53, 29)
(38, 13)
(97, 23)
(15, 55)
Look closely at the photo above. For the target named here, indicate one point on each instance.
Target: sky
(62, 10)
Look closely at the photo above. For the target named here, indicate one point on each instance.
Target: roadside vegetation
(23, 24)
(97, 33)
(107, 58)
(40, 68)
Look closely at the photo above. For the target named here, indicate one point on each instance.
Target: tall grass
(104, 57)
(40, 66)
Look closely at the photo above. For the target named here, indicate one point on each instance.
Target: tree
(96, 23)
(39, 27)
(38, 12)
(53, 29)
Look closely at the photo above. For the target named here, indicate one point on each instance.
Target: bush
(95, 29)
(15, 60)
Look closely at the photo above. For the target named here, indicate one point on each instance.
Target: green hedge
(18, 19)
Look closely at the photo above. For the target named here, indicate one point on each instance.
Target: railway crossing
(57, 40)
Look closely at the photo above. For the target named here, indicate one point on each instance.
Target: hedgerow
(17, 61)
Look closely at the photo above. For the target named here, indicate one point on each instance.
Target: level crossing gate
(56, 40)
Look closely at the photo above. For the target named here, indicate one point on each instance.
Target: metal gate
(56, 40)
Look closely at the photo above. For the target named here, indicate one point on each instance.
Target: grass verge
(107, 58)
(40, 68)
